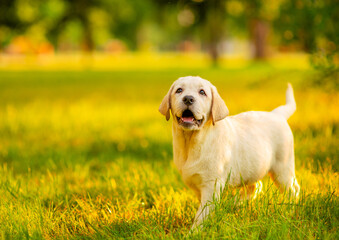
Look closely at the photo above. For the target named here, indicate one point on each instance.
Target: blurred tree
(313, 26)
(297, 23)
(258, 27)
(310, 24)
(11, 23)
(212, 18)
(127, 19)
(76, 11)
(207, 17)
(7, 20)
(104, 18)
(84, 23)
(259, 15)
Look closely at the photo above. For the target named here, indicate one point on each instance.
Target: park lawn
(86, 154)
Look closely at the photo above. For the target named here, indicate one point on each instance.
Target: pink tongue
(187, 119)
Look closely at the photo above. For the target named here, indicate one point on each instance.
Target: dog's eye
(179, 90)
(202, 92)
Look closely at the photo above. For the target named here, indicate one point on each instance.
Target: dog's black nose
(188, 100)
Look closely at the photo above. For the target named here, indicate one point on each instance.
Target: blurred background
(238, 29)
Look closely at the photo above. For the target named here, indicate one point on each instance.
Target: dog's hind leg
(284, 178)
(289, 183)
(283, 171)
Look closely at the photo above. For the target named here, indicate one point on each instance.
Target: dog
(211, 148)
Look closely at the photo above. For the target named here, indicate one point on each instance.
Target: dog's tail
(289, 108)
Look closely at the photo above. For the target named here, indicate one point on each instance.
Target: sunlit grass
(86, 154)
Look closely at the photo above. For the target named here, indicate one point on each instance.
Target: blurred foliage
(311, 26)
(40, 26)
(308, 23)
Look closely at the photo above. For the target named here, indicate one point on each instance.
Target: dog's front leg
(209, 192)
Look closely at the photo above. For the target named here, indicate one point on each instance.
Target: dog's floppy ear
(165, 105)
(219, 109)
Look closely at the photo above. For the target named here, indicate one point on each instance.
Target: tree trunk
(88, 42)
(215, 27)
(259, 33)
(214, 53)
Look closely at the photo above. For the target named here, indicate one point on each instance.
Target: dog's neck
(185, 141)
(188, 137)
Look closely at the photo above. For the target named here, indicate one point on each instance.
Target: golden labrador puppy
(211, 148)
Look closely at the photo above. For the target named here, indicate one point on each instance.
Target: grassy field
(85, 155)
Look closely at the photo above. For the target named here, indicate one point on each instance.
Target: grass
(85, 155)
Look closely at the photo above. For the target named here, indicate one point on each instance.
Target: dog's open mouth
(188, 119)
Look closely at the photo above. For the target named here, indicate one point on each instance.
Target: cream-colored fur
(213, 148)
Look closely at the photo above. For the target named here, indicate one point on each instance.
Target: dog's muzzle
(188, 119)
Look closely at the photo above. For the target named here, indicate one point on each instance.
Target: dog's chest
(194, 171)
(200, 160)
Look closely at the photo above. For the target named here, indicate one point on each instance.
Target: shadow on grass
(318, 146)
(58, 158)
(122, 229)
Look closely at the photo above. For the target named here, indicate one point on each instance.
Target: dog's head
(193, 101)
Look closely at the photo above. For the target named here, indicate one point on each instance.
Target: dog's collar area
(187, 119)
